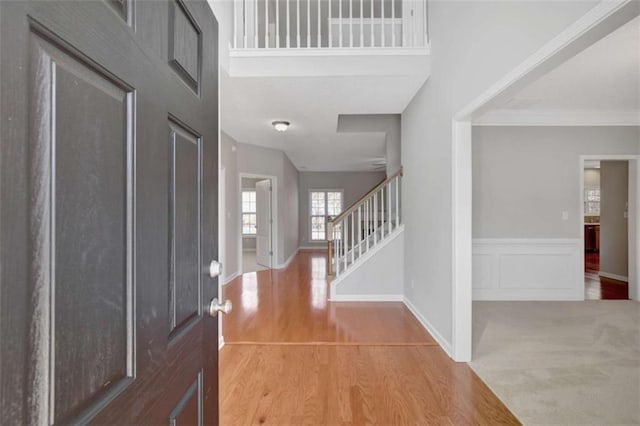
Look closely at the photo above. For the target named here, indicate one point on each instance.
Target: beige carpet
(561, 363)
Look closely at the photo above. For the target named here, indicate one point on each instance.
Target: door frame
(274, 216)
(598, 22)
(222, 237)
(633, 235)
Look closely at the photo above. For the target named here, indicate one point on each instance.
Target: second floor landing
(307, 38)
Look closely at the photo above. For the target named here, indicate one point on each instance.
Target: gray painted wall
(525, 177)
(354, 184)
(265, 161)
(460, 72)
(251, 159)
(614, 230)
(250, 183)
(389, 124)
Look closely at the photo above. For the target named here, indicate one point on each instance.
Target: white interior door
(263, 223)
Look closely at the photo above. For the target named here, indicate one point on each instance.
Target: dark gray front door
(108, 212)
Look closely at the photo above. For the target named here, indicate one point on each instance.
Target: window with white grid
(249, 212)
(323, 203)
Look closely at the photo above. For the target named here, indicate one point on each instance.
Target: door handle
(215, 306)
(215, 268)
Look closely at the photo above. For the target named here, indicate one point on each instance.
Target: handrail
(364, 224)
(355, 205)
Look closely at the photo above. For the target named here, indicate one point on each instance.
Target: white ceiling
(312, 105)
(602, 79)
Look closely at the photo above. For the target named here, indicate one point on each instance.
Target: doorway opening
(256, 223)
(608, 226)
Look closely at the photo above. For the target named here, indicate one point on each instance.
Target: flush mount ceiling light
(281, 126)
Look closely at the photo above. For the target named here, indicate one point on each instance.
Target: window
(592, 202)
(249, 212)
(323, 204)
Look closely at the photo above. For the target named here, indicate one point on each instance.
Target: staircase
(363, 227)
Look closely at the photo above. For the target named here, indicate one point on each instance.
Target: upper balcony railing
(330, 24)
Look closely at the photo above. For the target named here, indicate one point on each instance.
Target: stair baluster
(363, 225)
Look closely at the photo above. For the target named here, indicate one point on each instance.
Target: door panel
(184, 290)
(185, 45)
(108, 210)
(81, 227)
(188, 411)
(89, 201)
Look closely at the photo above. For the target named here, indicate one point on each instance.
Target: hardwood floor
(290, 306)
(592, 262)
(600, 288)
(352, 385)
(292, 358)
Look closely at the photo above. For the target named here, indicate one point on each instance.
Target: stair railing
(335, 24)
(364, 224)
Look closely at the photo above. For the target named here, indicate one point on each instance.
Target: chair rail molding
(527, 269)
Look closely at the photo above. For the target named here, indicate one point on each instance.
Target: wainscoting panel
(527, 269)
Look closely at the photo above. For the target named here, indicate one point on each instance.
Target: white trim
(461, 247)
(529, 242)
(367, 298)
(633, 202)
(220, 342)
(226, 280)
(274, 214)
(634, 229)
(613, 276)
(559, 118)
(546, 295)
(591, 275)
(597, 22)
(334, 51)
(446, 346)
(318, 247)
(363, 259)
(288, 261)
(527, 269)
(222, 193)
(556, 51)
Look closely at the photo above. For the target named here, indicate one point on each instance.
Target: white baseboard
(548, 295)
(527, 269)
(324, 247)
(285, 264)
(228, 279)
(614, 276)
(220, 342)
(367, 298)
(591, 275)
(444, 344)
